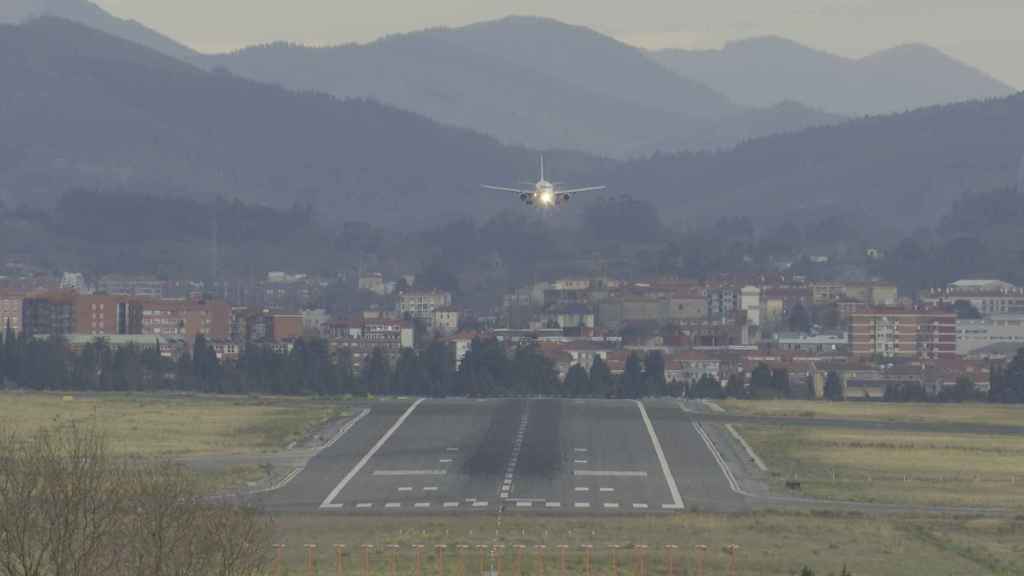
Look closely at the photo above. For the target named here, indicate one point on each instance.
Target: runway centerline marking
(505, 490)
(327, 503)
(673, 489)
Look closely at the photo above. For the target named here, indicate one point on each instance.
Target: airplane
(545, 194)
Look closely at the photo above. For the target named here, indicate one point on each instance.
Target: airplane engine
(566, 197)
(525, 198)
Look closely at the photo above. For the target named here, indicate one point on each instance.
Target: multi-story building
(722, 301)
(10, 312)
(140, 286)
(187, 319)
(446, 320)
(73, 281)
(101, 314)
(373, 282)
(692, 366)
(986, 300)
(824, 343)
(49, 314)
(67, 312)
(898, 333)
(421, 305)
(973, 335)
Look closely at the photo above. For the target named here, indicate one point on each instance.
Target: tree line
(311, 368)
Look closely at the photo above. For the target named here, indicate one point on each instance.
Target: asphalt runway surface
(546, 456)
(898, 426)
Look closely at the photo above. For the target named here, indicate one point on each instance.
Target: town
(777, 335)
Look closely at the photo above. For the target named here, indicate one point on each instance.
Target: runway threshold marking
(673, 489)
(328, 502)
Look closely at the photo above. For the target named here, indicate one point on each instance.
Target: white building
(421, 305)
(446, 320)
(374, 283)
(824, 343)
(973, 335)
(315, 321)
(750, 302)
(73, 281)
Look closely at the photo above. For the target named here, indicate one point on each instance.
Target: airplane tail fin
(542, 167)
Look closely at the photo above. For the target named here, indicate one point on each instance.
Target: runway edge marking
(327, 503)
(299, 469)
(673, 489)
(734, 485)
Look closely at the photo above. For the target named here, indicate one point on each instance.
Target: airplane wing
(503, 189)
(576, 190)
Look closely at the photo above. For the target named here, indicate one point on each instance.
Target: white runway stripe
(673, 489)
(359, 465)
(409, 472)
(610, 473)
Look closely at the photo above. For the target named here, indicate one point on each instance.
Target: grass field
(970, 413)
(175, 425)
(771, 544)
(894, 467)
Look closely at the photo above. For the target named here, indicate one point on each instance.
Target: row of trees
(765, 383)
(310, 368)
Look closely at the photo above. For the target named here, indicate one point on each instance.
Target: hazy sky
(985, 33)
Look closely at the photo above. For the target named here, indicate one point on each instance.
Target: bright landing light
(547, 198)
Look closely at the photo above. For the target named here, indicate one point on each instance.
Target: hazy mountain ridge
(903, 170)
(527, 81)
(91, 15)
(91, 110)
(764, 71)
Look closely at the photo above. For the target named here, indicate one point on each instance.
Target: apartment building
(10, 312)
(898, 333)
(421, 305)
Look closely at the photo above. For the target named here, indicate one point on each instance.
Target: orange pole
(366, 558)
(614, 559)
(278, 553)
(460, 570)
(419, 559)
(519, 559)
(561, 559)
(701, 548)
(393, 559)
(540, 558)
(669, 552)
(640, 554)
(339, 563)
(497, 554)
(483, 556)
(310, 560)
(588, 549)
(439, 548)
(732, 548)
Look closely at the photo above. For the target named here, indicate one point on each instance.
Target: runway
(531, 456)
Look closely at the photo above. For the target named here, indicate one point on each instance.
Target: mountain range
(762, 72)
(544, 84)
(82, 108)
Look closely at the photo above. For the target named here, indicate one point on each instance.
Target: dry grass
(970, 413)
(770, 543)
(896, 467)
(175, 425)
